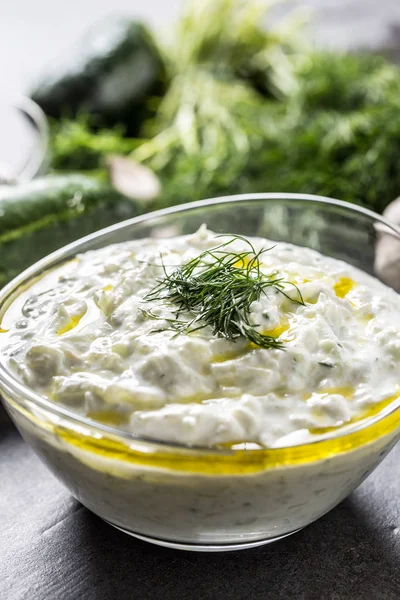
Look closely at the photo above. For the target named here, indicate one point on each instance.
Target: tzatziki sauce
(88, 338)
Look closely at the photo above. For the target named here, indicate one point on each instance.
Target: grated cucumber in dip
(117, 336)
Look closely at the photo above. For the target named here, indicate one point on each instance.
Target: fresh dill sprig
(218, 287)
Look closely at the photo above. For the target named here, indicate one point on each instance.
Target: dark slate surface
(51, 548)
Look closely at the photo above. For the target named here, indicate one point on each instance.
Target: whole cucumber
(40, 216)
(110, 73)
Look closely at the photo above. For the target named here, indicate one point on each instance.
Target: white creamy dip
(83, 336)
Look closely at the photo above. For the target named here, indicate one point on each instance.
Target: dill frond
(218, 288)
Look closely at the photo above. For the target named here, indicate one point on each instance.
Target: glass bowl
(24, 142)
(199, 498)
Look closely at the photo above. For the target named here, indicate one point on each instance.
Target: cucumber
(110, 73)
(40, 216)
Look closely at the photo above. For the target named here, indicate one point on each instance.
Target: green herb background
(252, 109)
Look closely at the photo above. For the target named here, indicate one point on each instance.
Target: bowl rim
(349, 434)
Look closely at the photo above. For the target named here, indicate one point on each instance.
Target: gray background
(32, 31)
(51, 548)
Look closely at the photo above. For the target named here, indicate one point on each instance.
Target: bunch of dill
(337, 134)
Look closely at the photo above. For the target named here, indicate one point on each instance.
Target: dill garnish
(218, 287)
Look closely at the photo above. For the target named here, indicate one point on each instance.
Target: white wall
(33, 31)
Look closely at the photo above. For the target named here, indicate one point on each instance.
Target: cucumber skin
(43, 215)
(110, 74)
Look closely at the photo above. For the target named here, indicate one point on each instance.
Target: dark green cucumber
(110, 74)
(45, 214)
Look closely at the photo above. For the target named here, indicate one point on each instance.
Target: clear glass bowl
(197, 498)
(24, 140)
